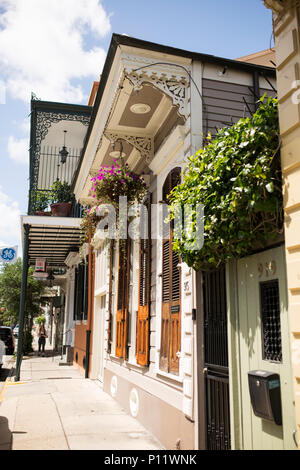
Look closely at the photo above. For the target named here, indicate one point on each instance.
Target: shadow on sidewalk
(48, 353)
(5, 434)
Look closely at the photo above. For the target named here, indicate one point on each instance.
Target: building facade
(286, 26)
(151, 319)
(171, 345)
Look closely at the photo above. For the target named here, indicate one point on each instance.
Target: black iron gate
(216, 360)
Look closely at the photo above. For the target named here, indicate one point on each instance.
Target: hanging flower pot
(117, 181)
(89, 223)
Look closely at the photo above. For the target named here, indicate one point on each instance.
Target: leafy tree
(237, 178)
(10, 291)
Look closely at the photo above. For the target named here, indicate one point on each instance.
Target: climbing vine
(237, 178)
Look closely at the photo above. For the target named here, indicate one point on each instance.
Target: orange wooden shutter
(122, 299)
(143, 316)
(171, 282)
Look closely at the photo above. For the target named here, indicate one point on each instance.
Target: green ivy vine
(237, 178)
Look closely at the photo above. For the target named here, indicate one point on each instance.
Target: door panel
(264, 344)
(216, 360)
(100, 311)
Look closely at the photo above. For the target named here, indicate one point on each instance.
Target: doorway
(215, 358)
(98, 337)
(264, 344)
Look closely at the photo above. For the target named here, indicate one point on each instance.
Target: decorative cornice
(281, 6)
(172, 79)
(145, 145)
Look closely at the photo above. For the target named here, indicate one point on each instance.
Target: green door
(265, 345)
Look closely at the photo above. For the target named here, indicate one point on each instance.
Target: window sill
(174, 378)
(135, 365)
(117, 359)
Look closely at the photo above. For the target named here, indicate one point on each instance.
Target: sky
(57, 48)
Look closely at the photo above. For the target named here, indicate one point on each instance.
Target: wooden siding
(224, 104)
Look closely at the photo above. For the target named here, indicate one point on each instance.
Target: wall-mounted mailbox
(264, 388)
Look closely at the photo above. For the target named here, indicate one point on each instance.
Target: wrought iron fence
(52, 169)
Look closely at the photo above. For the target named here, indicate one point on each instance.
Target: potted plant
(42, 203)
(61, 199)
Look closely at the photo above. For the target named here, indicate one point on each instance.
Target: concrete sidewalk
(54, 408)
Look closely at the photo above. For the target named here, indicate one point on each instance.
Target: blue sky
(56, 48)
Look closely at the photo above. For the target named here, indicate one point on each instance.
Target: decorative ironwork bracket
(167, 77)
(144, 145)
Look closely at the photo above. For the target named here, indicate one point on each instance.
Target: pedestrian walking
(42, 335)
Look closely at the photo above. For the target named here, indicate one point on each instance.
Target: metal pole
(22, 301)
(87, 353)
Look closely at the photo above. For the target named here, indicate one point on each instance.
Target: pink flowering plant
(115, 181)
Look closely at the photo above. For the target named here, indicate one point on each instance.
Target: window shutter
(80, 291)
(143, 316)
(111, 266)
(122, 299)
(171, 284)
(175, 314)
(75, 295)
(86, 289)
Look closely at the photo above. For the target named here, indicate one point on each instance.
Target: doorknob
(294, 437)
(205, 370)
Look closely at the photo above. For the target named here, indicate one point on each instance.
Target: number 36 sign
(9, 255)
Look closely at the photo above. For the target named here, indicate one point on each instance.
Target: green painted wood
(233, 357)
(260, 434)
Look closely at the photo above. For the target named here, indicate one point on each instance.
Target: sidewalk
(54, 408)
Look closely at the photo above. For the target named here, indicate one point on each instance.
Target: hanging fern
(237, 178)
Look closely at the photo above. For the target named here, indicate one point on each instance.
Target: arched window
(171, 295)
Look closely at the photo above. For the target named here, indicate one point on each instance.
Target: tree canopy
(237, 179)
(10, 290)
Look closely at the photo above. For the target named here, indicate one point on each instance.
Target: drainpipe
(22, 301)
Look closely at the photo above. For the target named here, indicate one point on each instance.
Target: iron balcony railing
(51, 169)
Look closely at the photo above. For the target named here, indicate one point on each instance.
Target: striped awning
(52, 238)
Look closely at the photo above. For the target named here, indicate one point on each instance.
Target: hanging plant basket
(113, 182)
(89, 224)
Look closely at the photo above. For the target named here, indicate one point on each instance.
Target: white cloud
(10, 226)
(18, 150)
(42, 46)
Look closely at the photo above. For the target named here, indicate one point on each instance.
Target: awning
(52, 238)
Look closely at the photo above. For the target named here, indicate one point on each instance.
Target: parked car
(2, 352)
(16, 331)
(6, 335)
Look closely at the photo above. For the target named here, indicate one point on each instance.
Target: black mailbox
(264, 388)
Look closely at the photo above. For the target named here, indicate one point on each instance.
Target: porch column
(22, 301)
